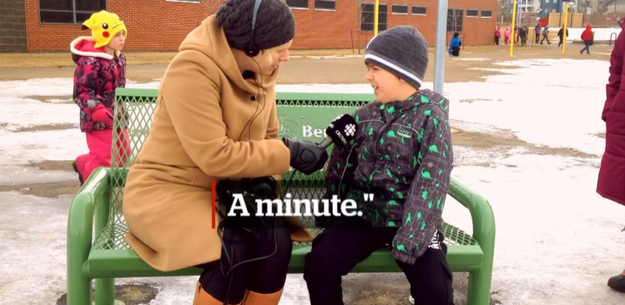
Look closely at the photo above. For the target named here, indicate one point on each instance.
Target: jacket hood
(210, 39)
(589, 27)
(85, 47)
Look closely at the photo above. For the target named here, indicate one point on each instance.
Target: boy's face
(117, 43)
(386, 85)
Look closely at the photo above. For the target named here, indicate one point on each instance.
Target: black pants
(455, 51)
(263, 276)
(337, 250)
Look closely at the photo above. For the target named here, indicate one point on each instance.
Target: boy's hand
(101, 114)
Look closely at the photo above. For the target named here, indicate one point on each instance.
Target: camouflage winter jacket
(402, 154)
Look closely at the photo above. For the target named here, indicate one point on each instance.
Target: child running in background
(402, 154)
(101, 68)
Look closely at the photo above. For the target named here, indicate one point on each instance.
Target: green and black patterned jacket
(402, 154)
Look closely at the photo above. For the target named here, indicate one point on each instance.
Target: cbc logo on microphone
(350, 130)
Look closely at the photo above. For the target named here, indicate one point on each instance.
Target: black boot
(79, 175)
(617, 282)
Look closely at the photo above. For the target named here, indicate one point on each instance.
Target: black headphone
(251, 50)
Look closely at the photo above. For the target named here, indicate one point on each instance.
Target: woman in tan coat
(216, 119)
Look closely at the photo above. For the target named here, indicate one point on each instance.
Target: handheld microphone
(341, 131)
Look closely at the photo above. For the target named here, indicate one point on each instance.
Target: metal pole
(566, 22)
(441, 46)
(377, 17)
(513, 28)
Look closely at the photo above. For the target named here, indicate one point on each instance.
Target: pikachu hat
(104, 26)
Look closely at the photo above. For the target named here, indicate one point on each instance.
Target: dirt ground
(305, 69)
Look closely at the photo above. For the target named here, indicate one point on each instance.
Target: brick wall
(152, 25)
(162, 25)
(341, 28)
(12, 26)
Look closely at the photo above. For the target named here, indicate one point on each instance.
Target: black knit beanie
(275, 23)
(401, 50)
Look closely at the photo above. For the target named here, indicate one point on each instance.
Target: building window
(400, 9)
(454, 20)
(326, 5)
(487, 14)
(68, 11)
(297, 3)
(419, 10)
(472, 13)
(367, 17)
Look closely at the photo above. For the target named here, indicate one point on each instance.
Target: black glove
(263, 187)
(251, 189)
(306, 156)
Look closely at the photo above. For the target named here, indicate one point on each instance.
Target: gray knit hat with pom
(275, 23)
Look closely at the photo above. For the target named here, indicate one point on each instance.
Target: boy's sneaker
(79, 175)
(617, 282)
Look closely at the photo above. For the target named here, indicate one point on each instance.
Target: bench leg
(479, 287)
(105, 291)
(78, 290)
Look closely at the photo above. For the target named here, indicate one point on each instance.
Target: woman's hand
(306, 156)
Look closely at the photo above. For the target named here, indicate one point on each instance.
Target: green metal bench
(96, 225)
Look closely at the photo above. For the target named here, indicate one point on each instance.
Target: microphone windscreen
(342, 130)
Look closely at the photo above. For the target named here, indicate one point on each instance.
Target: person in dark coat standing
(561, 35)
(611, 183)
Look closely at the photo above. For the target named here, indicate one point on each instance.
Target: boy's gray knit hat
(275, 23)
(403, 51)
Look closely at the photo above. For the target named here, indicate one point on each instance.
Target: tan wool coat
(199, 134)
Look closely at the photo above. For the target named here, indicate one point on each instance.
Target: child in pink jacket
(508, 34)
(101, 68)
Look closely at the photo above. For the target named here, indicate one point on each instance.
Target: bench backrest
(302, 116)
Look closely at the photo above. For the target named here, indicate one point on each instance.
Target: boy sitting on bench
(403, 157)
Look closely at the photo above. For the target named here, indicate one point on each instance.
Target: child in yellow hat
(101, 69)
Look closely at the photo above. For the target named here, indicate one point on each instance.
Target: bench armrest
(481, 214)
(93, 194)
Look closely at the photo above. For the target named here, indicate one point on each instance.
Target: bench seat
(111, 256)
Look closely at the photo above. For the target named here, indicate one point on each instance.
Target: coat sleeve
(273, 125)
(424, 204)
(614, 82)
(273, 132)
(340, 171)
(85, 83)
(191, 96)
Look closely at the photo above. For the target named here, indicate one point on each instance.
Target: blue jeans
(587, 47)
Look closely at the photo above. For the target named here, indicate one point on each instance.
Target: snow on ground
(557, 240)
